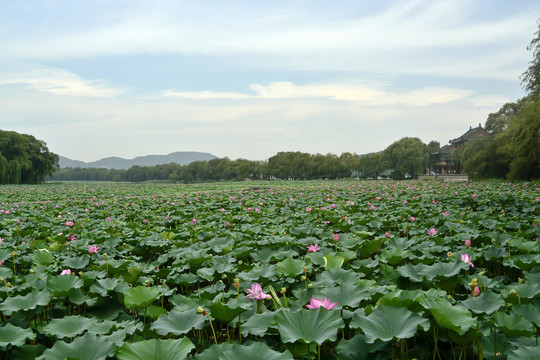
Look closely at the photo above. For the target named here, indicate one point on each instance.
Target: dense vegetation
(394, 270)
(513, 150)
(24, 159)
(408, 156)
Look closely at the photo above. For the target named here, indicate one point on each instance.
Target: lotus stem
(212, 327)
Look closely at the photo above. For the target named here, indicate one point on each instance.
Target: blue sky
(247, 79)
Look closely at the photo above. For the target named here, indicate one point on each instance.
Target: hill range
(180, 157)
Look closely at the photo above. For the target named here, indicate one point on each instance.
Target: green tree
(483, 159)
(521, 142)
(406, 157)
(530, 79)
(24, 159)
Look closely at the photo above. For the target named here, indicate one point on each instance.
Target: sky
(248, 79)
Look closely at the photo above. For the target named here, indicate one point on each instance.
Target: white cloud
(421, 37)
(364, 94)
(57, 81)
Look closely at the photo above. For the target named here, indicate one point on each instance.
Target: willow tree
(24, 159)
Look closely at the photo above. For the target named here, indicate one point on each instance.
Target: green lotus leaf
(101, 327)
(524, 352)
(338, 276)
(333, 262)
(179, 322)
(524, 246)
(86, 347)
(387, 323)
(357, 348)
(412, 272)
(171, 349)
(448, 316)
(155, 312)
(27, 351)
(141, 296)
(290, 267)
(395, 255)
(254, 351)
(226, 312)
(14, 335)
(77, 297)
(400, 298)
(132, 274)
(68, 326)
(79, 262)
(443, 270)
(222, 264)
(27, 302)
(62, 285)
(42, 258)
(265, 271)
(103, 286)
(184, 303)
(529, 312)
(257, 324)
(513, 325)
(371, 246)
(486, 303)
(308, 326)
(344, 295)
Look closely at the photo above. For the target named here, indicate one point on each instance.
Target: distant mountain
(180, 157)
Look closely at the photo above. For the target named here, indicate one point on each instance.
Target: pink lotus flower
(1, 262)
(446, 213)
(336, 237)
(65, 272)
(256, 293)
(474, 196)
(316, 303)
(466, 259)
(468, 243)
(412, 219)
(432, 232)
(69, 223)
(313, 248)
(476, 291)
(193, 221)
(93, 249)
(387, 234)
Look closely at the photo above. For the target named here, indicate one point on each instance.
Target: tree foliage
(406, 157)
(530, 79)
(24, 159)
(513, 151)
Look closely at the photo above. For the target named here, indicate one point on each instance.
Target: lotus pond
(335, 270)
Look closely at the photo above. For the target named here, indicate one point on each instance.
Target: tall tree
(24, 159)
(406, 157)
(530, 79)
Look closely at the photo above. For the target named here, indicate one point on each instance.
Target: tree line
(24, 159)
(513, 149)
(404, 158)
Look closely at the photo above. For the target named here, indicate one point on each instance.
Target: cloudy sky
(247, 79)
